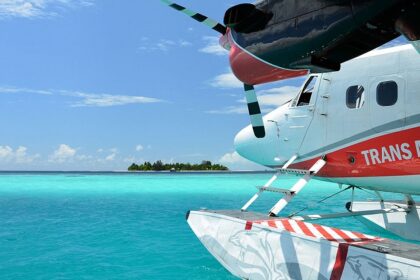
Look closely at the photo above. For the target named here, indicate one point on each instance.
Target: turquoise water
(117, 226)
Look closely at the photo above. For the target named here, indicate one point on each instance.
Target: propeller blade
(198, 17)
(254, 111)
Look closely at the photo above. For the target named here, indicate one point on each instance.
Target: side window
(355, 97)
(304, 98)
(387, 93)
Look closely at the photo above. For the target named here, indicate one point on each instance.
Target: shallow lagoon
(129, 226)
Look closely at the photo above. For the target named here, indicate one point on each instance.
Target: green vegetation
(160, 166)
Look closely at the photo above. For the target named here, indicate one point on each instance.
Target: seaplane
(355, 122)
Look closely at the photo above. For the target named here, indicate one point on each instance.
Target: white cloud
(107, 100)
(86, 99)
(19, 156)
(213, 46)
(37, 8)
(131, 159)
(63, 153)
(65, 157)
(184, 43)
(239, 109)
(139, 148)
(276, 96)
(6, 152)
(84, 157)
(111, 157)
(236, 162)
(230, 158)
(268, 100)
(226, 81)
(15, 90)
(162, 45)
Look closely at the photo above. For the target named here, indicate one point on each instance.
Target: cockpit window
(304, 98)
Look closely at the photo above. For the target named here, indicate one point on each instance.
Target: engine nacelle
(246, 18)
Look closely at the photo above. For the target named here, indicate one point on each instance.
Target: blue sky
(97, 85)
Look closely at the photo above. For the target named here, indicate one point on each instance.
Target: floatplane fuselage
(365, 119)
(355, 122)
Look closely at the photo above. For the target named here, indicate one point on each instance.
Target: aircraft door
(299, 116)
(316, 134)
(387, 102)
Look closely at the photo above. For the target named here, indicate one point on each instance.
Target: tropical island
(205, 165)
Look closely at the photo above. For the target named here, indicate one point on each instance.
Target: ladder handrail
(255, 197)
(288, 194)
(290, 161)
(268, 184)
(297, 187)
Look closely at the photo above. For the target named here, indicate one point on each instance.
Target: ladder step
(277, 190)
(294, 171)
(300, 184)
(288, 193)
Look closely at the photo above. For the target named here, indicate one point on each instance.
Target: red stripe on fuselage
(393, 154)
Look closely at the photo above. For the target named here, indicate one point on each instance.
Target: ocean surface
(130, 226)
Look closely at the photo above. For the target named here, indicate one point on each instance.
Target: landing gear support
(403, 219)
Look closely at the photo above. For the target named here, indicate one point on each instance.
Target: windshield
(304, 97)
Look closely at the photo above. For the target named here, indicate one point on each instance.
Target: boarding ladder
(288, 194)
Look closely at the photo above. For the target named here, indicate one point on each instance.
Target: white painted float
(254, 246)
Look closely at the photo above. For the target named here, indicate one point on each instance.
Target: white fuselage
(364, 118)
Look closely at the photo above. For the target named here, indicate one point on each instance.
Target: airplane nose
(243, 140)
(274, 149)
(259, 150)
